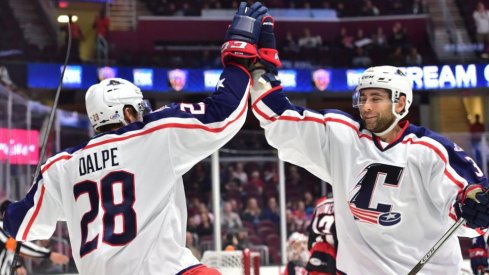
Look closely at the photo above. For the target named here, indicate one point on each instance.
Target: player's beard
(380, 124)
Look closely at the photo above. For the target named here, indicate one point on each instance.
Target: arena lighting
(62, 4)
(64, 18)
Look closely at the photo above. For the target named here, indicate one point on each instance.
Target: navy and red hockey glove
(243, 34)
(473, 205)
(267, 46)
(478, 255)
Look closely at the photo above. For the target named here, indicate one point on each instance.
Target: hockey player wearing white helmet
(397, 187)
(121, 193)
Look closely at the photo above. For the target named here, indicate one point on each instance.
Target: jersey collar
(400, 136)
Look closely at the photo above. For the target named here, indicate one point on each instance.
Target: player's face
(375, 107)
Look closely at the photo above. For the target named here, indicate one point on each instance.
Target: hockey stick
(435, 248)
(45, 138)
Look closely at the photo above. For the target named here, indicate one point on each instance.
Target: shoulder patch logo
(457, 148)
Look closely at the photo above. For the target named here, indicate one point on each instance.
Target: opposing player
(478, 255)
(27, 249)
(121, 193)
(322, 241)
(397, 187)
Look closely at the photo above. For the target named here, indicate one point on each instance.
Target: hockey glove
(243, 33)
(473, 205)
(267, 48)
(478, 255)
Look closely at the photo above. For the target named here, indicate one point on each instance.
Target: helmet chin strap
(394, 123)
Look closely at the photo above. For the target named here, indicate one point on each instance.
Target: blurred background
(171, 50)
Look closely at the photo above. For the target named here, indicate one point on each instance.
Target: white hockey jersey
(392, 201)
(122, 193)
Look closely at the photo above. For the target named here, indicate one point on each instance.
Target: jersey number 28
(111, 210)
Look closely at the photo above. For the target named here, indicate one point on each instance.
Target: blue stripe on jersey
(218, 107)
(16, 211)
(458, 159)
(223, 102)
(188, 269)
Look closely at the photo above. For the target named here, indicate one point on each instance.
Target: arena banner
(19, 146)
(323, 80)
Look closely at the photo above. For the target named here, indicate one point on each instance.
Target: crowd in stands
(250, 215)
(342, 8)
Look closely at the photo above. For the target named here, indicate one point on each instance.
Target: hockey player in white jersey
(397, 187)
(121, 193)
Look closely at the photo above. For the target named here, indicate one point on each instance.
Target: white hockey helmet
(105, 101)
(389, 78)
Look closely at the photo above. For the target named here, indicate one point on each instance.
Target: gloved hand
(267, 48)
(243, 33)
(478, 260)
(473, 205)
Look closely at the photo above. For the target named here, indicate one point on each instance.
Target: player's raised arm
(298, 133)
(202, 128)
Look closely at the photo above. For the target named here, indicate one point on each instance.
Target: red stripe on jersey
(36, 212)
(243, 69)
(265, 94)
(308, 119)
(170, 125)
(46, 167)
(440, 154)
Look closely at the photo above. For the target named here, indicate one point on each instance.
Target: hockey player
(121, 193)
(397, 187)
(322, 239)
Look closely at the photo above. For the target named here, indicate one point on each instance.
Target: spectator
(379, 39)
(76, 37)
(256, 181)
(397, 7)
(418, 7)
(396, 58)
(270, 174)
(398, 38)
(239, 173)
(190, 243)
(101, 26)
(230, 220)
(308, 41)
(340, 10)
(309, 202)
(290, 44)
(369, 9)
(272, 211)
(252, 212)
(414, 58)
(477, 130)
(202, 214)
(345, 40)
(361, 58)
(204, 228)
(481, 19)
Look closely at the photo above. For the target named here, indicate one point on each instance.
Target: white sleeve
(302, 136)
(34, 217)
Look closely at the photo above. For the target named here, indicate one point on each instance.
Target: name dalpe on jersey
(98, 161)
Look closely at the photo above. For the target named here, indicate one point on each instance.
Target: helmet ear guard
(105, 101)
(389, 78)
